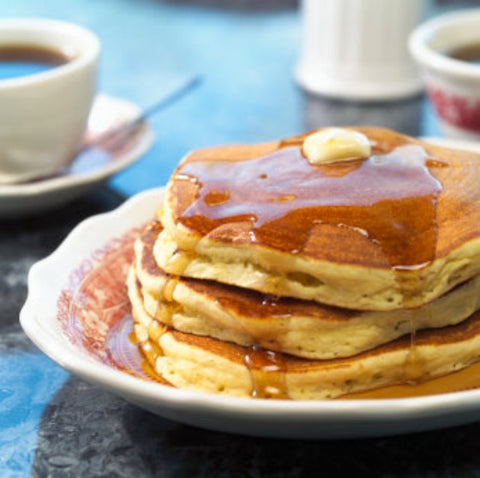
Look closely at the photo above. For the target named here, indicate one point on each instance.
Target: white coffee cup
(43, 116)
(357, 49)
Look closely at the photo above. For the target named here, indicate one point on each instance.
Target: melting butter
(332, 145)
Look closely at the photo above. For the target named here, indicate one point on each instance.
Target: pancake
(297, 327)
(205, 364)
(396, 230)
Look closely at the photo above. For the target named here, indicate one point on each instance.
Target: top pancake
(394, 230)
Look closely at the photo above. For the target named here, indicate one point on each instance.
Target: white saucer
(88, 170)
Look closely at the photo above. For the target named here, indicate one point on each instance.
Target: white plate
(74, 334)
(455, 143)
(88, 170)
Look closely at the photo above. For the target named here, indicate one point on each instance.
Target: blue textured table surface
(52, 424)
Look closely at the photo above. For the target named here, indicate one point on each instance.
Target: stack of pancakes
(266, 276)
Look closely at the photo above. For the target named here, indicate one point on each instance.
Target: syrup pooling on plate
(388, 200)
(465, 379)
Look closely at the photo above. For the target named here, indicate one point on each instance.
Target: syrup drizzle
(267, 371)
(388, 199)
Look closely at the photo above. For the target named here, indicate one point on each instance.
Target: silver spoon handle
(123, 131)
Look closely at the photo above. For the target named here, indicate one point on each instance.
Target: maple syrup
(267, 371)
(466, 379)
(389, 199)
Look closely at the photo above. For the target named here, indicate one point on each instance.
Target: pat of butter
(332, 145)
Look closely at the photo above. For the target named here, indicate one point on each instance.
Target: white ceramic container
(357, 49)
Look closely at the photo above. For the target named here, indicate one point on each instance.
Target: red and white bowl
(452, 85)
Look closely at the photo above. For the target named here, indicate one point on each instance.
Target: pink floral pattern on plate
(93, 308)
